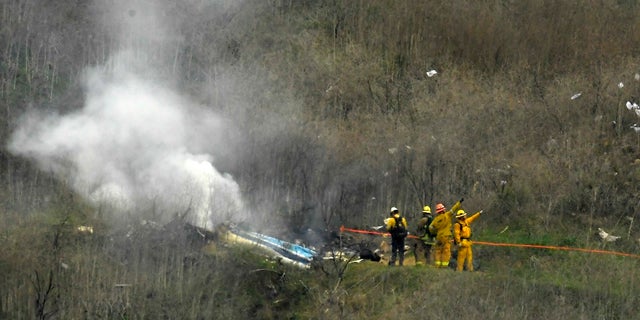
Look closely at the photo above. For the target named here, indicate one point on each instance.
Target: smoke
(136, 143)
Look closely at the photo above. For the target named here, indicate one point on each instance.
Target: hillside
(149, 273)
(295, 118)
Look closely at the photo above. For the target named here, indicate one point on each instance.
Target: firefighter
(422, 245)
(397, 227)
(441, 227)
(462, 238)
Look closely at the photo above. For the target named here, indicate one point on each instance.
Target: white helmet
(394, 209)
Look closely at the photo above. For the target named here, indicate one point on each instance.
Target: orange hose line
(378, 233)
(538, 246)
(501, 244)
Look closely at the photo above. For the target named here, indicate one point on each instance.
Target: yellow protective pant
(442, 250)
(465, 255)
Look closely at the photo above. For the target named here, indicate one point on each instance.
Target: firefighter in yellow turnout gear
(424, 242)
(397, 227)
(441, 226)
(462, 238)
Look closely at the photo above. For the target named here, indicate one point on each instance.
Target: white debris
(331, 88)
(636, 76)
(635, 127)
(606, 236)
(339, 255)
(576, 96)
(620, 85)
(431, 73)
(377, 227)
(85, 229)
(632, 106)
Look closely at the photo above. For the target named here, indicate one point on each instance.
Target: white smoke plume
(136, 143)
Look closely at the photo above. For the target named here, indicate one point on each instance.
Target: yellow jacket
(392, 222)
(441, 225)
(462, 229)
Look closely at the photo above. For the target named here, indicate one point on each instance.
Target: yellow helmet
(426, 209)
(460, 214)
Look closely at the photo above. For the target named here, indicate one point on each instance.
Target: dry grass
(346, 79)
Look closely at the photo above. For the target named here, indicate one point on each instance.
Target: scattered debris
(370, 255)
(344, 255)
(337, 255)
(620, 85)
(289, 252)
(431, 73)
(329, 89)
(576, 96)
(632, 106)
(605, 236)
(85, 229)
